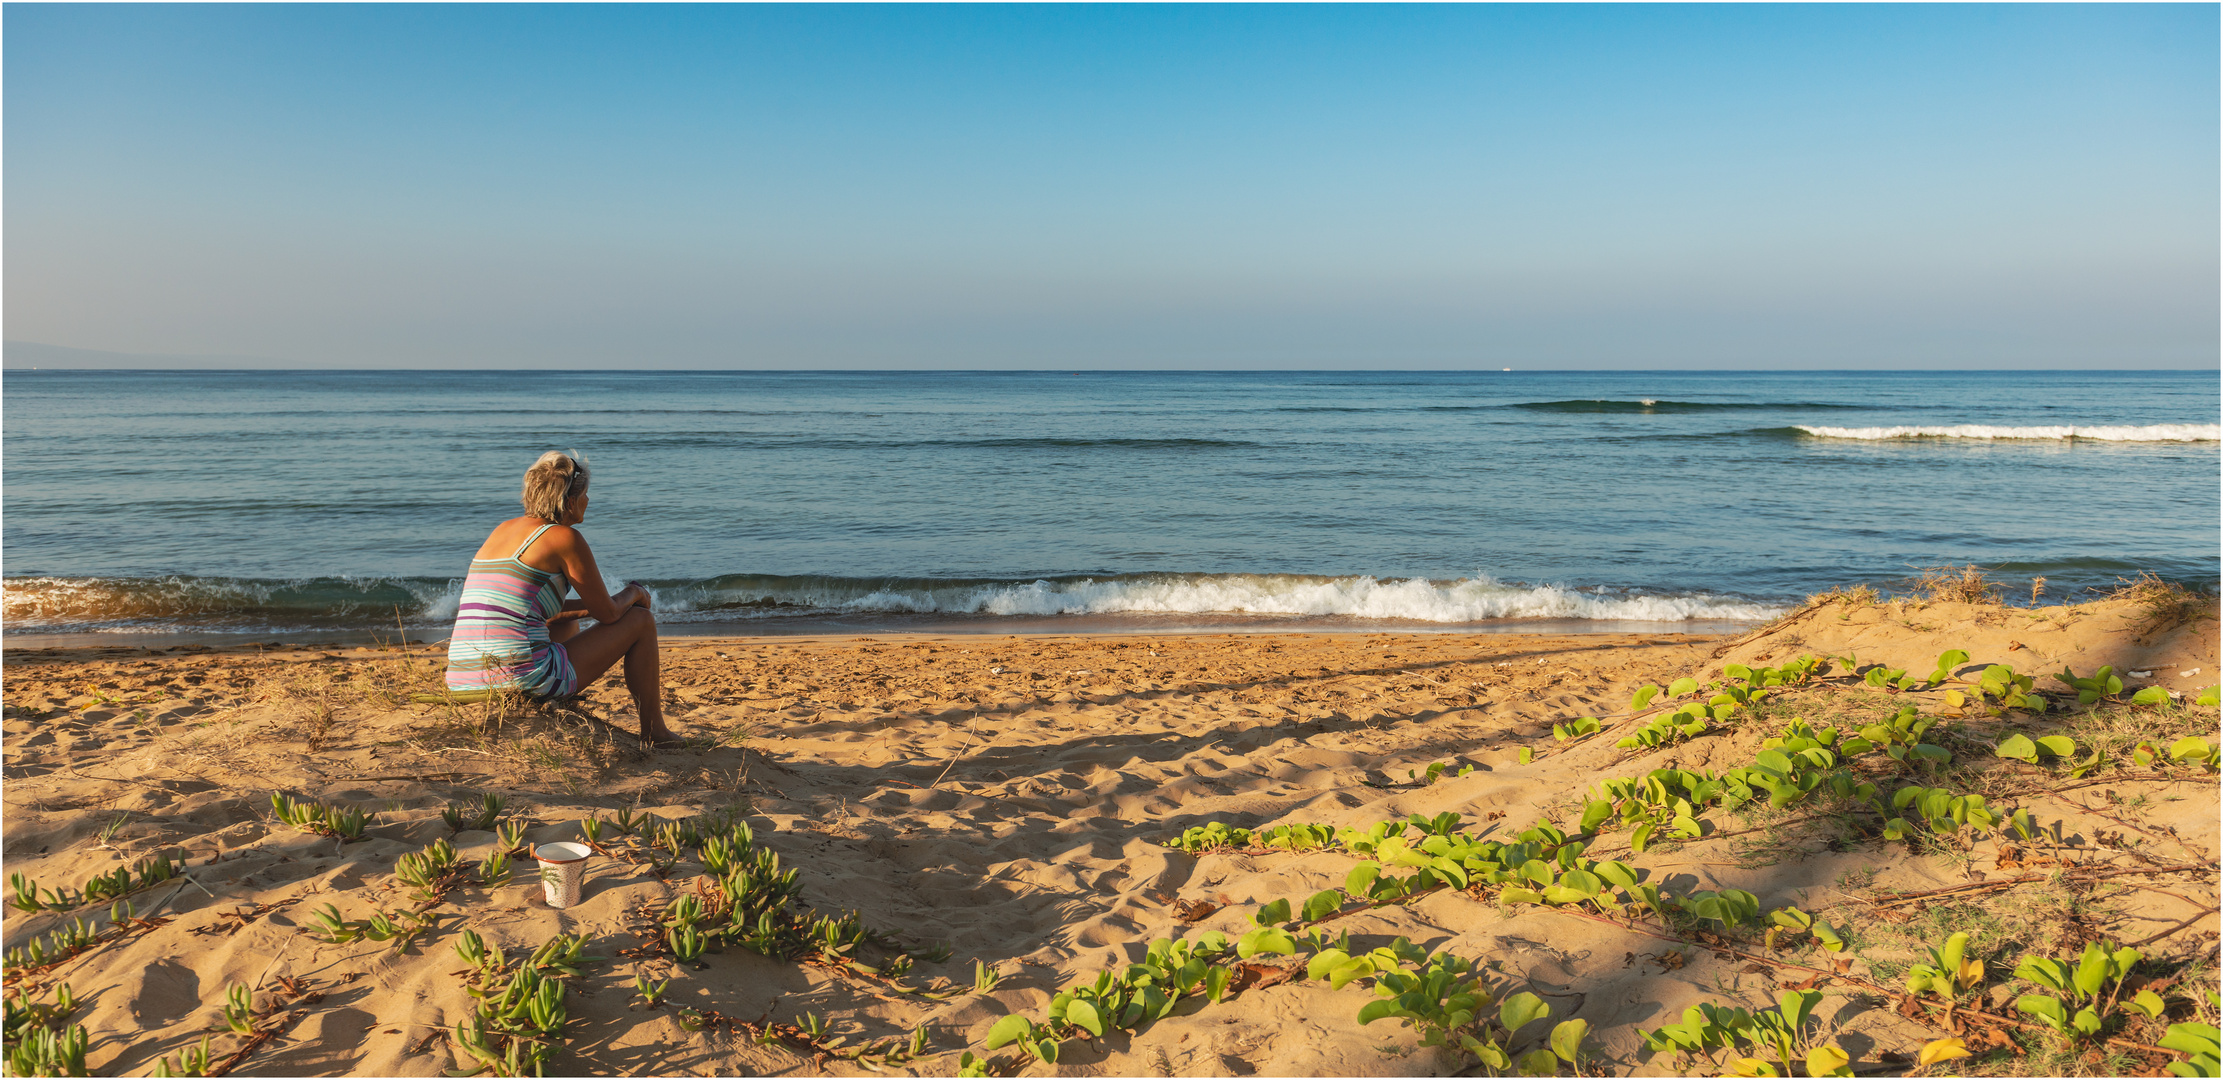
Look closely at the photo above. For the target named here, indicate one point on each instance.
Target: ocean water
(336, 503)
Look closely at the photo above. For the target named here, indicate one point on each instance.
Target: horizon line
(1102, 370)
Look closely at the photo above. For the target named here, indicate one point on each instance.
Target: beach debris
(1190, 911)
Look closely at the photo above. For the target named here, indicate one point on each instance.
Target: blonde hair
(552, 482)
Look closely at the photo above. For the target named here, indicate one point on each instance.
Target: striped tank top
(501, 629)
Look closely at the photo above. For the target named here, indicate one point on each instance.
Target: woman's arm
(579, 568)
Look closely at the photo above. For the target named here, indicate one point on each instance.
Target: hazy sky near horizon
(1136, 186)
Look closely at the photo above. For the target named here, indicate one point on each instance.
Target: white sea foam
(439, 606)
(1416, 599)
(2103, 433)
(235, 605)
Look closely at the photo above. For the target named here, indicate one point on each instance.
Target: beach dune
(1008, 801)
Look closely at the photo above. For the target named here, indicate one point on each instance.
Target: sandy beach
(1009, 801)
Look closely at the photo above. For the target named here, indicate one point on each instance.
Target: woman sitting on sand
(515, 631)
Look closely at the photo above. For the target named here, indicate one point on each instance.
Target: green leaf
(1946, 662)
(1616, 872)
(1595, 814)
(1361, 878)
(2192, 1039)
(1790, 918)
(1215, 984)
(2189, 748)
(2045, 1008)
(1323, 962)
(1008, 1030)
(2051, 974)
(1539, 1063)
(1513, 895)
(1266, 940)
(2091, 970)
(1566, 1039)
(2149, 1003)
(1084, 1016)
(2087, 1022)
(2058, 746)
(1355, 969)
(1527, 755)
(2152, 695)
(1828, 1061)
(1582, 882)
(1642, 697)
(2018, 747)
(1520, 1009)
(1796, 1006)
(1679, 687)
(2211, 696)
(1376, 1010)
(1272, 914)
(1322, 904)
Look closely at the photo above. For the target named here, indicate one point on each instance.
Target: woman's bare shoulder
(504, 541)
(560, 546)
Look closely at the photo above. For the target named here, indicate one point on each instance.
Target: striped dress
(501, 629)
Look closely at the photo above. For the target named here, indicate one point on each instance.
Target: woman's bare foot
(660, 738)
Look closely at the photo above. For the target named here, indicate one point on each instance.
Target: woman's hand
(640, 593)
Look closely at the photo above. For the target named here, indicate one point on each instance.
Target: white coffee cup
(563, 870)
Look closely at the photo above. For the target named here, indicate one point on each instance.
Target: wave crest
(2101, 433)
(258, 606)
(1475, 599)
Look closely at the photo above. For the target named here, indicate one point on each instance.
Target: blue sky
(1561, 186)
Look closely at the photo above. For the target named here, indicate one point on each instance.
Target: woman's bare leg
(633, 639)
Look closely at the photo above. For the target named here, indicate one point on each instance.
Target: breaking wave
(252, 606)
(2100, 433)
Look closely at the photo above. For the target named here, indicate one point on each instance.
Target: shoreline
(1047, 626)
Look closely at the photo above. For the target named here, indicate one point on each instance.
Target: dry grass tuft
(2167, 604)
(529, 744)
(313, 696)
(1857, 596)
(392, 683)
(1961, 585)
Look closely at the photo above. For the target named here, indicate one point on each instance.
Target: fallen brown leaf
(1194, 910)
(1249, 976)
